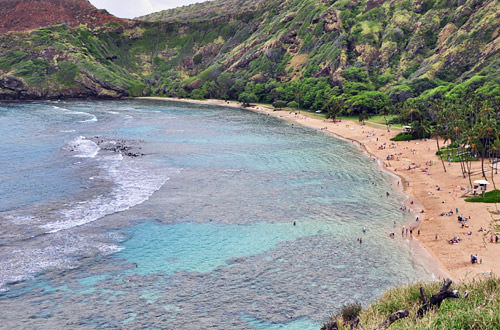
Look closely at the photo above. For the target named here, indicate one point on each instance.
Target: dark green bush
(403, 137)
(350, 311)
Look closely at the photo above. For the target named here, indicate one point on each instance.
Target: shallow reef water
(162, 215)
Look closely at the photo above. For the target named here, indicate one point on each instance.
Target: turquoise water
(145, 214)
(203, 247)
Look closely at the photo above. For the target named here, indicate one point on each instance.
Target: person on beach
(364, 229)
(496, 239)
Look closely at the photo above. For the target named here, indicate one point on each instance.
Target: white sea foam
(21, 264)
(84, 148)
(134, 184)
(92, 118)
(19, 219)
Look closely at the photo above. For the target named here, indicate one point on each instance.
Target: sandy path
(421, 183)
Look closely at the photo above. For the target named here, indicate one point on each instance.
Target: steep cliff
(367, 54)
(23, 15)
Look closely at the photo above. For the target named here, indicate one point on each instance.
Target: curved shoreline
(425, 184)
(417, 250)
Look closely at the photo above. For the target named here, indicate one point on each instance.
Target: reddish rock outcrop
(23, 15)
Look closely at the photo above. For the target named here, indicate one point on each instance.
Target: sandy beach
(431, 191)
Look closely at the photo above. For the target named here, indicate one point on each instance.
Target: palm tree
(434, 131)
(495, 147)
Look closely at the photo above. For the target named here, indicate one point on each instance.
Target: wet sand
(419, 172)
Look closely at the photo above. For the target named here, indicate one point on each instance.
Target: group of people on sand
(384, 146)
(463, 220)
(405, 232)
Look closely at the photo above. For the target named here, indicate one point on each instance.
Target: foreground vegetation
(478, 310)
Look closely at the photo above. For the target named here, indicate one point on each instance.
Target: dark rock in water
(125, 147)
(235, 261)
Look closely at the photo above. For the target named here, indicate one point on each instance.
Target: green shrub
(403, 137)
(197, 58)
(279, 104)
(349, 312)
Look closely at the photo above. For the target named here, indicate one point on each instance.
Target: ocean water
(163, 215)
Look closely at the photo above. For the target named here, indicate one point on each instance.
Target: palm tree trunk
(462, 163)
(469, 167)
(492, 176)
(482, 166)
(442, 161)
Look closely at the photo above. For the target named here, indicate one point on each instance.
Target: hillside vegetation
(366, 56)
(476, 308)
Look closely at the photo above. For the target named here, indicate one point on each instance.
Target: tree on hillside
(247, 98)
(371, 102)
(278, 104)
(293, 105)
(224, 82)
(333, 108)
(362, 117)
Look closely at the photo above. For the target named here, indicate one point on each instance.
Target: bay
(151, 214)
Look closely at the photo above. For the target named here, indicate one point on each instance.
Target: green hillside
(350, 56)
(203, 11)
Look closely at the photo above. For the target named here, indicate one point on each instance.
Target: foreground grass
(489, 197)
(377, 121)
(480, 310)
